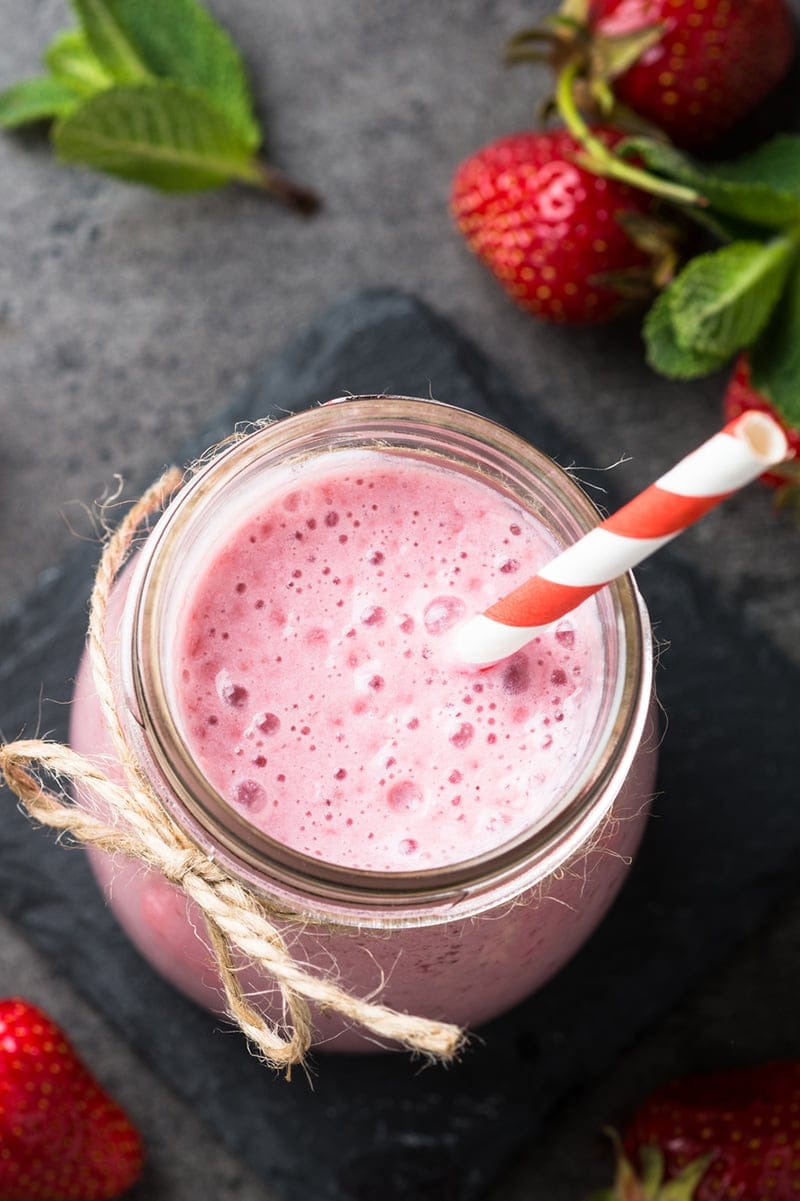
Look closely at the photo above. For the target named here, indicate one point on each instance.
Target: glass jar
(461, 942)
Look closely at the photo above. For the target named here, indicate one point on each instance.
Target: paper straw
(737, 455)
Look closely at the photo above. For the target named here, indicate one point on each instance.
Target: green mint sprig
(744, 295)
(152, 91)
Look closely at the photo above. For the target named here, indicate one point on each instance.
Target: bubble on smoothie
(441, 614)
(558, 677)
(516, 676)
(249, 794)
(366, 678)
(404, 796)
(231, 693)
(373, 615)
(565, 633)
(462, 736)
(268, 723)
(331, 519)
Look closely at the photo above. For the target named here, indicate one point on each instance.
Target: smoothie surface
(314, 684)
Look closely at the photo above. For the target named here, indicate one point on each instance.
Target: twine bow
(137, 825)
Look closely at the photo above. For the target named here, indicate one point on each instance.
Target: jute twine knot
(240, 923)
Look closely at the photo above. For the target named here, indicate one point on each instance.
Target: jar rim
(251, 854)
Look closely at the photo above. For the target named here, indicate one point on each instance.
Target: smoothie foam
(313, 681)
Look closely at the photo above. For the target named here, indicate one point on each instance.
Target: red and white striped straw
(737, 455)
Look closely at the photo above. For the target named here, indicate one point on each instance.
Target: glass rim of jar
(386, 423)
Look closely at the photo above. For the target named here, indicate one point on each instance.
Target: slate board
(722, 850)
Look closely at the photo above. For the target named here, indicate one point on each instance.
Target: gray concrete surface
(126, 317)
(746, 1013)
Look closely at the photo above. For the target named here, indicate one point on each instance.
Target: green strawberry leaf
(665, 353)
(180, 40)
(73, 64)
(110, 42)
(160, 134)
(759, 201)
(775, 359)
(722, 300)
(39, 99)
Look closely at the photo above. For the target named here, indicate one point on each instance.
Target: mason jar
(459, 942)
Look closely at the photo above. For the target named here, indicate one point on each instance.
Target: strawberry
(741, 396)
(561, 240)
(712, 64)
(728, 1136)
(62, 1138)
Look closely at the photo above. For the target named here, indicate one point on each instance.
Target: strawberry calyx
(661, 241)
(649, 1183)
(569, 37)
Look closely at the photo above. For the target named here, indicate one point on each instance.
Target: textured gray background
(126, 319)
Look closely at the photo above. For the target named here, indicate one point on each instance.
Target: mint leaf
(775, 359)
(722, 300)
(180, 40)
(38, 99)
(755, 200)
(665, 354)
(776, 164)
(110, 42)
(73, 64)
(160, 134)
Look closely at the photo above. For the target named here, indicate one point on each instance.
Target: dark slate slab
(724, 847)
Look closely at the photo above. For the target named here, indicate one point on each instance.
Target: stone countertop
(127, 318)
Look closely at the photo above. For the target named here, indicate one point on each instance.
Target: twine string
(137, 825)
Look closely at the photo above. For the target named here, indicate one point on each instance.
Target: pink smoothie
(315, 684)
(306, 652)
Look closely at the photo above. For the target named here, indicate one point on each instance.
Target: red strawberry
(61, 1137)
(551, 231)
(714, 62)
(729, 1136)
(741, 396)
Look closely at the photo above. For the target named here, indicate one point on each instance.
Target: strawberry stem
(603, 161)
